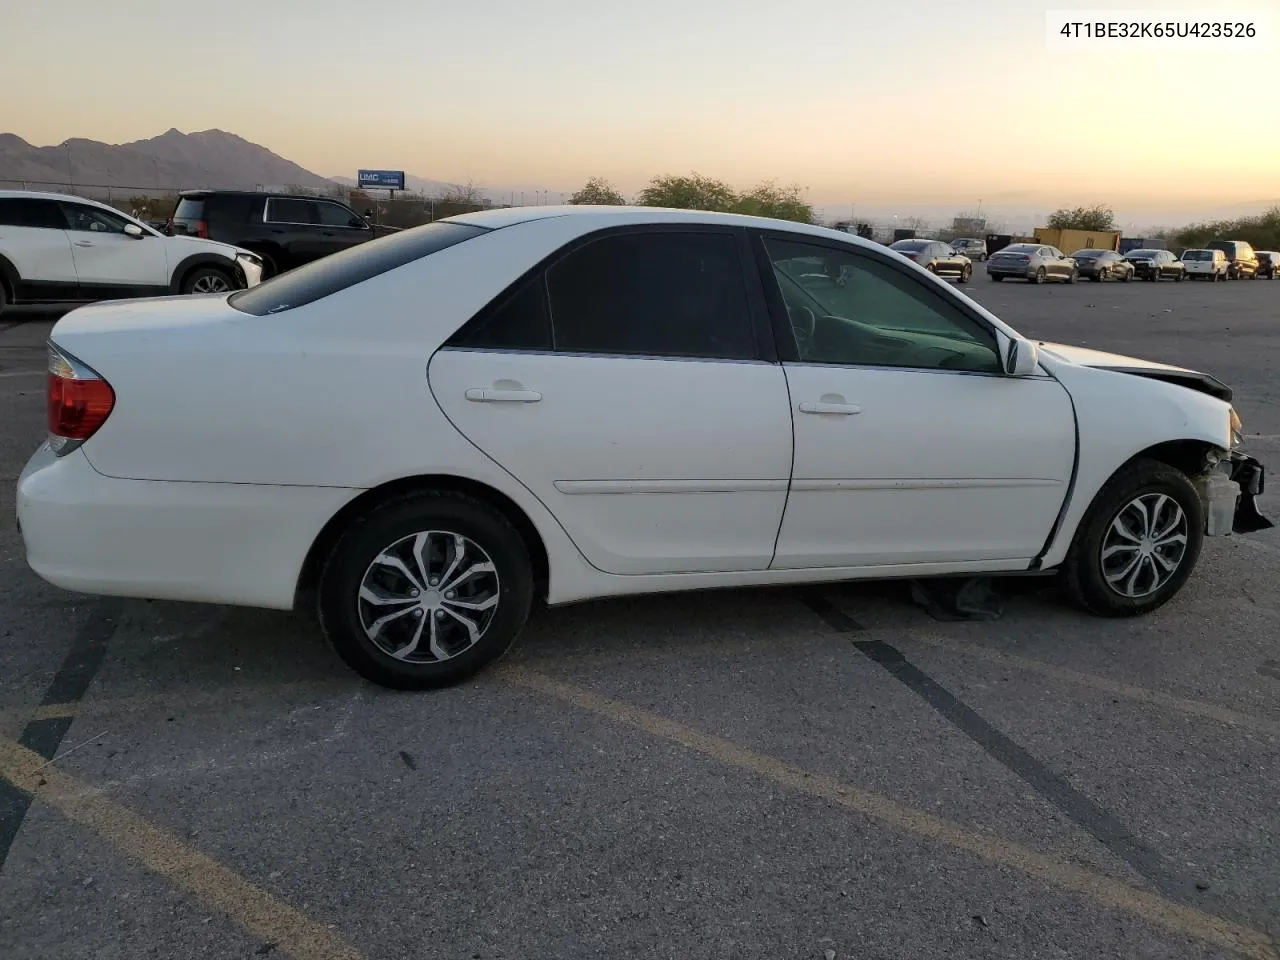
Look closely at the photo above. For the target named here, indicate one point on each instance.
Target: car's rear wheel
(1138, 543)
(425, 591)
(203, 280)
(1040, 276)
(994, 277)
(4, 298)
(1099, 275)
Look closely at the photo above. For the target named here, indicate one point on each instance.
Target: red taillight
(202, 230)
(79, 401)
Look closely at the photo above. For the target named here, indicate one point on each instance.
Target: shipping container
(1069, 241)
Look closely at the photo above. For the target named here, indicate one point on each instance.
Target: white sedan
(56, 248)
(428, 432)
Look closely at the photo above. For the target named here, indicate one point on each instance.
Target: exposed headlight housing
(1236, 427)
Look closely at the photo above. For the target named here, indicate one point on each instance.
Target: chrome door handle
(496, 395)
(84, 243)
(844, 409)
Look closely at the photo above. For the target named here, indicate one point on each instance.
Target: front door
(109, 262)
(911, 445)
(629, 386)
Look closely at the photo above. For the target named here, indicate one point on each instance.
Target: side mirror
(133, 230)
(1021, 358)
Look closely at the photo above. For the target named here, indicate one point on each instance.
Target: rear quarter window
(231, 209)
(328, 275)
(189, 208)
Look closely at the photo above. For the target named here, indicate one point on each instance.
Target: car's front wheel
(966, 273)
(426, 591)
(1040, 276)
(203, 280)
(1138, 543)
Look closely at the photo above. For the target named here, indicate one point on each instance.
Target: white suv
(1205, 264)
(56, 248)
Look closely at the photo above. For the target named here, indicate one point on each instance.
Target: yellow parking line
(1103, 890)
(219, 888)
(1116, 688)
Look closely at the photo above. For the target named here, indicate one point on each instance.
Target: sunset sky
(878, 103)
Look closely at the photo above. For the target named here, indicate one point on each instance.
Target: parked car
(1035, 262)
(936, 257)
(57, 249)
(1156, 265)
(574, 431)
(1204, 264)
(971, 247)
(1268, 264)
(1099, 265)
(1242, 261)
(286, 231)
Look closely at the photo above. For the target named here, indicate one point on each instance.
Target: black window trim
(784, 339)
(761, 325)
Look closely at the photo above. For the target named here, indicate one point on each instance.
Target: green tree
(1261, 231)
(1097, 217)
(693, 192)
(770, 200)
(598, 191)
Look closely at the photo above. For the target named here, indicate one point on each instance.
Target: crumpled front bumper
(1250, 476)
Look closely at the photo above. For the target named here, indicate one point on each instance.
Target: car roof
(607, 216)
(71, 197)
(209, 192)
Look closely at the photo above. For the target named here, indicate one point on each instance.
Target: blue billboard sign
(381, 179)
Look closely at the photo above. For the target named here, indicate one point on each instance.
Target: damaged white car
(426, 433)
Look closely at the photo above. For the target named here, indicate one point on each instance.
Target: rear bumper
(240, 544)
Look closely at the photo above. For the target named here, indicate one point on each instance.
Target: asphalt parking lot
(767, 773)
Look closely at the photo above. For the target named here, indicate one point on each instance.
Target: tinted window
(29, 212)
(336, 215)
(653, 294)
(909, 245)
(231, 208)
(1020, 248)
(858, 310)
(1197, 255)
(519, 321)
(328, 275)
(292, 211)
(1149, 254)
(189, 208)
(92, 219)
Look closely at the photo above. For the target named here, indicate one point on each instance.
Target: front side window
(92, 219)
(854, 309)
(289, 210)
(336, 215)
(676, 294)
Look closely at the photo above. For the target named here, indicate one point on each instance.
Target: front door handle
(830, 406)
(499, 395)
(84, 243)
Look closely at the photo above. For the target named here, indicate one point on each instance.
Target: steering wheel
(804, 322)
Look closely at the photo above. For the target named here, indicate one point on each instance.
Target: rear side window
(31, 212)
(288, 210)
(321, 278)
(230, 208)
(678, 294)
(519, 321)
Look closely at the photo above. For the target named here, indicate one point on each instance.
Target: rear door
(33, 238)
(628, 384)
(109, 262)
(294, 225)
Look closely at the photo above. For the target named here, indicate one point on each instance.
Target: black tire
(1099, 275)
(966, 273)
(340, 605)
(1182, 275)
(4, 298)
(1040, 275)
(994, 277)
(1128, 275)
(931, 267)
(196, 281)
(1072, 276)
(1083, 568)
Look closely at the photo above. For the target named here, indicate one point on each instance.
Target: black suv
(286, 230)
(1241, 260)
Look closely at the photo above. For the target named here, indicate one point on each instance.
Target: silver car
(1033, 262)
(971, 247)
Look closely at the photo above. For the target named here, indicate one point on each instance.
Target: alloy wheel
(428, 597)
(211, 283)
(1144, 546)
